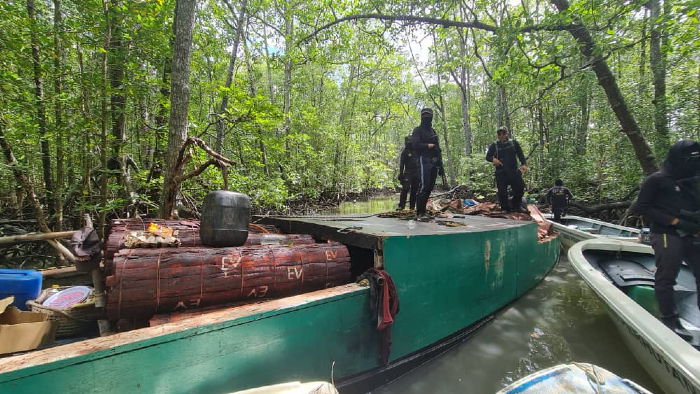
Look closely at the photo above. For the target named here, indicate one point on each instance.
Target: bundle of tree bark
(188, 234)
(149, 281)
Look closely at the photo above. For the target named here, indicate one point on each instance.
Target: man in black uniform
(503, 154)
(408, 175)
(426, 146)
(558, 198)
(665, 198)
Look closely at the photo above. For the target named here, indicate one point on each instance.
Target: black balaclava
(683, 159)
(426, 121)
(426, 118)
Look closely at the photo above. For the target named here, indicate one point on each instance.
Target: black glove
(688, 226)
(401, 177)
(441, 171)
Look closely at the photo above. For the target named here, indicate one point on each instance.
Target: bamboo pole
(13, 239)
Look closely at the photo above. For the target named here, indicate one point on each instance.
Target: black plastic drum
(225, 217)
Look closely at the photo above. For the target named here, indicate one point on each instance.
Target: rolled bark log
(188, 234)
(149, 281)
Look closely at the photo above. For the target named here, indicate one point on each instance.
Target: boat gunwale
(586, 235)
(128, 341)
(549, 217)
(673, 348)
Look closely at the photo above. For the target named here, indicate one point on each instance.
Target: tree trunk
(161, 121)
(584, 102)
(104, 123)
(115, 59)
(268, 68)
(657, 62)
(348, 94)
(41, 107)
(254, 93)
(503, 112)
(23, 180)
(607, 81)
(179, 100)
(463, 80)
(642, 83)
(220, 126)
(58, 110)
(86, 158)
(288, 47)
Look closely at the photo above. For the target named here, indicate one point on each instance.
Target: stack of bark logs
(187, 233)
(143, 282)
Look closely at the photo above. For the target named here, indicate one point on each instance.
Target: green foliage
(328, 115)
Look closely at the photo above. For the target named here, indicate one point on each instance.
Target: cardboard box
(21, 331)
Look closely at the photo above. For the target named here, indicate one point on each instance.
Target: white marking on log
(292, 272)
(229, 262)
(259, 292)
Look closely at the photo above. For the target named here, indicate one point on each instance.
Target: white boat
(293, 388)
(574, 378)
(576, 229)
(622, 275)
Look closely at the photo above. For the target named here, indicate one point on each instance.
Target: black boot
(674, 324)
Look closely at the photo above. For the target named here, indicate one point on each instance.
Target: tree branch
(200, 169)
(431, 21)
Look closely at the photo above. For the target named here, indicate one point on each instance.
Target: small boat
(574, 229)
(574, 378)
(622, 275)
(451, 277)
(293, 388)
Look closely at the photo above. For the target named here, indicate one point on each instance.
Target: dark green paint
(644, 296)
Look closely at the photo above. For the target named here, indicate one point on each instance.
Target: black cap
(426, 112)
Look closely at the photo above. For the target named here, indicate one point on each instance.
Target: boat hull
(577, 378)
(671, 362)
(575, 229)
(448, 279)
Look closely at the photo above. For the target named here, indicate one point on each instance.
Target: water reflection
(375, 205)
(559, 321)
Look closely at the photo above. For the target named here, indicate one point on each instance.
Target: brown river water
(559, 321)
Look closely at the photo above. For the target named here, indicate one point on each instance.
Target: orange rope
(259, 227)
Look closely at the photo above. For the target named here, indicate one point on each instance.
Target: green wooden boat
(450, 281)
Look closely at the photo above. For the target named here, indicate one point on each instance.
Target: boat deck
(630, 270)
(363, 230)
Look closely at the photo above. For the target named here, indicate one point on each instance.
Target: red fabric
(389, 305)
(387, 317)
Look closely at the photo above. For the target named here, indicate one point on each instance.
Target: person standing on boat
(558, 198)
(408, 175)
(665, 198)
(426, 146)
(504, 154)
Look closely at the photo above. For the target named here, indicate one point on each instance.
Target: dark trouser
(517, 186)
(670, 251)
(409, 187)
(558, 213)
(427, 171)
